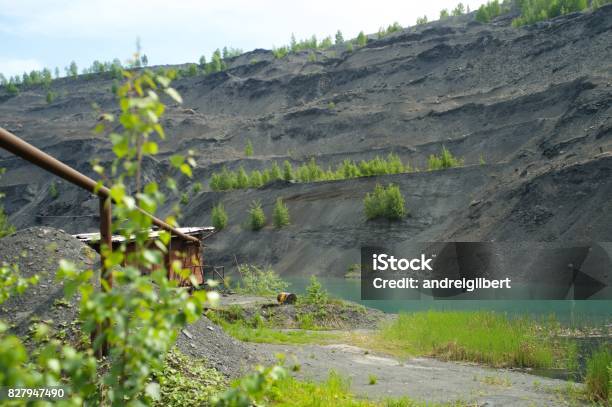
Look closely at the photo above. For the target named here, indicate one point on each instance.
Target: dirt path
(423, 379)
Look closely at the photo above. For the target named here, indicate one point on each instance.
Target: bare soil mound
(36, 252)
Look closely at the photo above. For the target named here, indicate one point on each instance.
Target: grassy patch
(599, 376)
(256, 329)
(335, 391)
(484, 337)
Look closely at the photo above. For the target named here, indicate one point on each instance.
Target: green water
(568, 312)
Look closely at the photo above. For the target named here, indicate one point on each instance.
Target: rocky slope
(535, 102)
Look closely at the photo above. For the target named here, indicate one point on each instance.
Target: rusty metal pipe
(17, 146)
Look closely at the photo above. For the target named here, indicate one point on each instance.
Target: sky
(52, 33)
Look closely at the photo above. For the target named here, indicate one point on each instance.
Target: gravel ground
(422, 379)
(204, 339)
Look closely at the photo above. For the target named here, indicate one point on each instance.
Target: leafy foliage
(259, 281)
(219, 217)
(280, 215)
(444, 14)
(186, 381)
(385, 203)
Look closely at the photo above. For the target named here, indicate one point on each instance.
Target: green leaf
(174, 94)
(186, 169)
(177, 160)
(150, 147)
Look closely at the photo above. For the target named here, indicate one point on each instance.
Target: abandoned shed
(189, 252)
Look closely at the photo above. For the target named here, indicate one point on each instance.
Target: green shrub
(248, 150)
(12, 89)
(458, 10)
(275, 172)
(372, 379)
(444, 14)
(421, 20)
(537, 10)
(259, 281)
(256, 179)
(287, 171)
(385, 203)
(490, 10)
(598, 377)
(280, 215)
(443, 161)
(280, 53)
(362, 39)
(50, 97)
(242, 179)
(315, 293)
(349, 47)
(257, 218)
(53, 192)
(219, 217)
(197, 188)
(5, 225)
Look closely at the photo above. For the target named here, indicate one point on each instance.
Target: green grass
(598, 377)
(257, 330)
(484, 337)
(264, 334)
(335, 391)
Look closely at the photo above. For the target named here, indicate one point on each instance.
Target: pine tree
(280, 215)
(339, 38)
(219, 217)
(257, 218)
(248, 150)
(287, 171)
(242, 179)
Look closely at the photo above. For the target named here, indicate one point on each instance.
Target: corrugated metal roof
(153, 233)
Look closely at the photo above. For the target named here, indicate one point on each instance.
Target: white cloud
(10, 67)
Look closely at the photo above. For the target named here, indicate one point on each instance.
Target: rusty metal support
(106, 239)
(17, 146)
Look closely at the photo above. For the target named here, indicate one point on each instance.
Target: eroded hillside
(534, 102)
